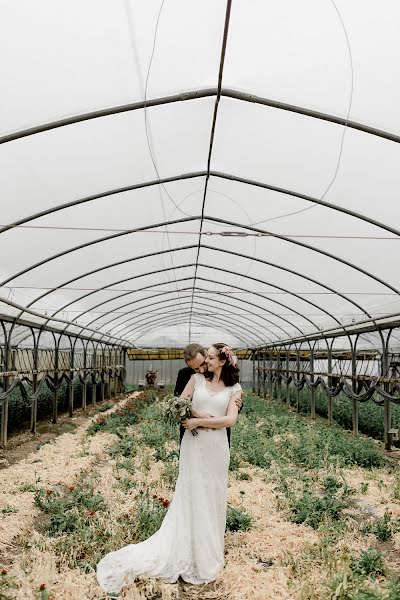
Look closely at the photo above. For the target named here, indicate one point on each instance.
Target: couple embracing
(190, 541)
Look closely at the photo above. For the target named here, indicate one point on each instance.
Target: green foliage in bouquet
(176, 410)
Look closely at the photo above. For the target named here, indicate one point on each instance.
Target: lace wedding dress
(190, 541)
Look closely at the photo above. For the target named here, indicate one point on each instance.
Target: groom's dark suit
(181, 381)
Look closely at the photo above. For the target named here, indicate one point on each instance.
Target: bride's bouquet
(176, 410)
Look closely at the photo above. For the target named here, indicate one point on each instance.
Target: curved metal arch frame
(248, 320)
(17, 321)
(202, 174)
(188, 289)
(250, 258)
(210, 306)
(230, 286)
(237, 327)
(190, 247)
(211, 267)
(196, 95)
(237, 299)
(166, 322)
(215, 220)
(177, 268)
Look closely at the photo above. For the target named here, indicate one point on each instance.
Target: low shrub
(237, 519)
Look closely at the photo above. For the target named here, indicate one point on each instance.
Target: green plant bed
(370, 415)
(19, 408)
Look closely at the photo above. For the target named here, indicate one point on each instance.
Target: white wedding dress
(190, 541)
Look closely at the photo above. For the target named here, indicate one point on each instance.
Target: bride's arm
(217, 422)
(188, 393)
(189, 389)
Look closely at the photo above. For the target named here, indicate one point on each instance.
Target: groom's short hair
(192, 350)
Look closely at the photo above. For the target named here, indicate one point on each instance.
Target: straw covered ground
(313, 513)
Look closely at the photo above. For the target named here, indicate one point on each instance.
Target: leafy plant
(237, 519)
(370, 562)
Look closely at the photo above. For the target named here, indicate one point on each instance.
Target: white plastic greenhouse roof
(206, 169)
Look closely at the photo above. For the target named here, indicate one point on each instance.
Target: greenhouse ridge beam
(195, 95)
(212, 134)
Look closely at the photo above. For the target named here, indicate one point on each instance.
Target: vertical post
(330, 398)
(71, 385)
(287, 381)
(270, 380)
(115, 381)
(298, 379)
(94, 387)
(386, 403)
(312, 381)
(34, 384)
(55, 393)
(123, 381)
(278, 375)
(264, 376)
(4, 406)
(84, 389)
(354, 388)
(102, 384)
(254, 373)
(258, 375)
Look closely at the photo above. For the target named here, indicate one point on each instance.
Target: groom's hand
(239, 402)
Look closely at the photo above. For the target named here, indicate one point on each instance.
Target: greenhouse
(221, 173)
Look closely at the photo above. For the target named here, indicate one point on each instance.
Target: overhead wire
(152, 154)
(345, 127)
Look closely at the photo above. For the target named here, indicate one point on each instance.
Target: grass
(305, 464)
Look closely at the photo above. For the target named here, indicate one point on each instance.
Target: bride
(190, 541)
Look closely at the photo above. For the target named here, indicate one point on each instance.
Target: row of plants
(19, 408)
(370, 414)
(305, 462)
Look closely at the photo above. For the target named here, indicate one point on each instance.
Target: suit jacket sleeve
(181, 381)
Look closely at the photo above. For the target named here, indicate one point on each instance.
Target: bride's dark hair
(230, 370)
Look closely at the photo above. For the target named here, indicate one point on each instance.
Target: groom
(195, 358)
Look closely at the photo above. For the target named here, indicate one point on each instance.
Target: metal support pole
(34, 385)
(55, 393)
(254, 373)
(264, 376)
(115, 381)
(386, 403)
(71, 385)
(287, 381)
(4, 406)
(354, 388)
(312, 381)
(278, 376)
(84, 388)
(94, 388)
(123, 380)
(258, 375)
(270, 381)
(330, 398)
(298, 378)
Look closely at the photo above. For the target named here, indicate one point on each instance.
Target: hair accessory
(231, 357)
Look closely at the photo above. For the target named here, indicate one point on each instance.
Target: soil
(21, 444)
